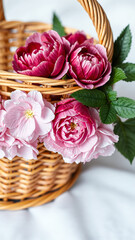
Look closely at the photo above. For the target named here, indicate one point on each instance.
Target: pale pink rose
(78, 134)
(78, 37)
(44, 55)
(88, 65)
(28, 116)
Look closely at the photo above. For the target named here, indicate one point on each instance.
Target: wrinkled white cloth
(101, 205)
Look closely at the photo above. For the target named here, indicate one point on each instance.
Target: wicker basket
(31, 183)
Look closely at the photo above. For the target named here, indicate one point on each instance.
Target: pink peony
(28, 116)
(78, 37)
(78, 133)
(44, 55)
(88, 65)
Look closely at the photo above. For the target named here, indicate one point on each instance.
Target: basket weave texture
(30, 183)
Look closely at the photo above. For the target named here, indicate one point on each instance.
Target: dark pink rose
(44, 55)
(89, 66)
(78, 134)
(79, 37)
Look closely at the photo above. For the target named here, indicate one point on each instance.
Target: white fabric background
(101, 205)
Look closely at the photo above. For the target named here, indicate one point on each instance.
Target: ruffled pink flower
(88, 65)
(44, 55)
(78, 37)
(11, 147)
(0, 103)
(22, 149)
(6, 140)
(78, 133)
(28, 116)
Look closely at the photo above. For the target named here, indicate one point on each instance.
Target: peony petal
(109, 133)
(13, 117)
(79, 37)
(51, 34)
(49, 105)
(47, 115)
(103, 81)
(42, 127)
(37, 58)
(37, 109)
(8, 104)
(27, 151)
(37, 96)
(72, 73)
(2, 153)
(85, 86)
(66, 45)
(15, 95)
(44, 69)
(74, 54)
(2, 116)
(93, 73)
(108, 151)
(89, 144)
(102, 50)
(58, 65)
(12, 151)
(25, 129)
(63, 72)
(36, 37)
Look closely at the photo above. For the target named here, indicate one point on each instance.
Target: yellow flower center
(29, 113)
(72, 125)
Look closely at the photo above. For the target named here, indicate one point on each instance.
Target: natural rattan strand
(31, 183)
(40, 199)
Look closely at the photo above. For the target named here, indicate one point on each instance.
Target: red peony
(78, 36)
(88, 65)
(44, 55)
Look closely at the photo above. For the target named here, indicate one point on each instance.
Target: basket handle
(99, 19)
(2, 16)
(101, 24)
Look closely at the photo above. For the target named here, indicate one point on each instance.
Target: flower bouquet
(81, 125)
(87, 123)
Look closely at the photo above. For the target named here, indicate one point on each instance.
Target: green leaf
(91, 98)
(129, 69)
(122, 46)
(126, 143)
(117, 75)
(65, 77)
(108, 90)
(107, 114)
(57, 26)
(125, 107)
(130, 123)
(112, 95)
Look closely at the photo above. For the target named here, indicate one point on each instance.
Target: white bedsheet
(101, 205)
